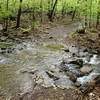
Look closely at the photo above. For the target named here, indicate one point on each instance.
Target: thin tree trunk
(90, 13)
(6, 20)
(19, 15)
(98, 16)
(33, 15)
(86, 24)
(51, 12)
(86, 21)
(41, 6)
(63, 11)
(74, 13)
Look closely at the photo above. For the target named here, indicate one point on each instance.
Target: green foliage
(83, 8)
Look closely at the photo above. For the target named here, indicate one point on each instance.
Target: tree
(6, 19)
(51, 12)
(98, 15)
(19, 14)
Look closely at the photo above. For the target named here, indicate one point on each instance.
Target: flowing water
(35, 54)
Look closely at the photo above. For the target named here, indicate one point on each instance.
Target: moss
(55, 46)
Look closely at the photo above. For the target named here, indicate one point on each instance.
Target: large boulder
(72, 71)
(86, 69)
(74, 61)
(63, 83)
(77, 62)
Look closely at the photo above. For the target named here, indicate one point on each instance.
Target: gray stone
(1, 27)
(64, 83)
(86, 69)
(75, 61)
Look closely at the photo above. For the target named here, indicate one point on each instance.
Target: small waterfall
(95, 60)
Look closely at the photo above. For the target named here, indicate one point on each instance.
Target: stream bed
(47, 64)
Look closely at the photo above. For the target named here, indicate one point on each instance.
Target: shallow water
(34, 55)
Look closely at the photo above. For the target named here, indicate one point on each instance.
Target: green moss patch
(55, 46)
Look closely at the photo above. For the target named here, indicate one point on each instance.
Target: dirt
(51, 94)
(40, 93)
(89, 40)
(58, 33)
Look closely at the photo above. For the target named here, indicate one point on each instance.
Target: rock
(6, 48)
(72, 76)
(1, 27)
(74, 61)
(3, 39)
(77, 84)
(99, 35)
(10, 50)
(77, 62)
(74, 50)
(51, 37)
(85, 89)
(66, 50)
(76, 72)
(90, 40)
(86, 69)
(85, 50)
(3, 51)
(81, 31)
(64, 83)
(52, 75)
(73, 70)
(39, 79)
(44, 79)
(83, 54)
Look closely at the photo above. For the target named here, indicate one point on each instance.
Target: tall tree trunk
(86, 24)
(63, 11)
(74, 13)
(51, 12)
(19, 15)
(98, 16)
(90, 13)
(86, 21)
(41, 7)
(6, 20)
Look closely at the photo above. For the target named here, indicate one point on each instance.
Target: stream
(49, 64)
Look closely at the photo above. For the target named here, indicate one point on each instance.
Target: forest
(49, 49)
(86, 10)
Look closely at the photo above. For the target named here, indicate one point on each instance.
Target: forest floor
(63, 33)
